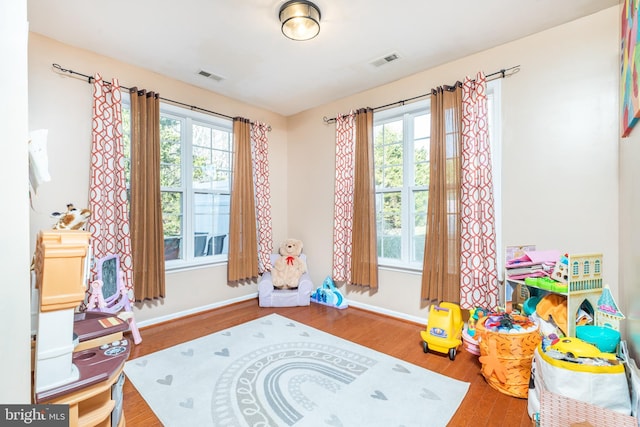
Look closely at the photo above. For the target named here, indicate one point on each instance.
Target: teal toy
(328, 294)
(474, 315)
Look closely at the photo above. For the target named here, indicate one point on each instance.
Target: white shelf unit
(584, 278)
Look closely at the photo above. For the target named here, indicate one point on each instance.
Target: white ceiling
(241, 40)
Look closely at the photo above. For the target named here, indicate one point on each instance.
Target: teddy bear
(289, 266)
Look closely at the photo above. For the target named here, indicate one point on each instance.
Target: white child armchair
(269, 296)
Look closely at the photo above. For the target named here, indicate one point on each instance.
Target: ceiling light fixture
(300, 20)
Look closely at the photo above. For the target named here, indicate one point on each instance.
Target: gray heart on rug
(188, 352)
(379, 395)
(166, 380)
(223, 352)
(334, 421)
(304, 334)
(187, 403)
(428, 394)
(226, 334)
(142, 363)
(259, 335)
(291, 325)
(400, 368)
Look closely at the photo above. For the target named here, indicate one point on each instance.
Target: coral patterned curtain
(243, 248)
(441, 265)
(343, 194)
(260, 155)
(355, 259)
(478, 261)
(146, 207)
(109, 223)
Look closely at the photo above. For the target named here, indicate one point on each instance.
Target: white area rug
(274, 371)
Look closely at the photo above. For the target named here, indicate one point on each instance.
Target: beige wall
(560, 152)
(629, 297)
(62, 104)
(15, 353)
(560, 158)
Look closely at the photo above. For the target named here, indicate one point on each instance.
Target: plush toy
(289, 267)
(72, 219)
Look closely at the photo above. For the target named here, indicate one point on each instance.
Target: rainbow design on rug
(269, 383)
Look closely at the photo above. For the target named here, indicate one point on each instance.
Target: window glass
(170, 151)
(401, 165)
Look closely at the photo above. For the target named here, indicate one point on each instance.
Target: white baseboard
(391, 313)
(194, 310)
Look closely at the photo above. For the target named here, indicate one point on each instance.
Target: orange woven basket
(506, 359)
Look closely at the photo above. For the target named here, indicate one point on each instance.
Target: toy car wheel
(452, 353)
(425, 346)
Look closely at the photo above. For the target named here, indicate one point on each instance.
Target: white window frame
(495, 132)
(386, 116)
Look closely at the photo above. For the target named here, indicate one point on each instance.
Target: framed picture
(630, 61)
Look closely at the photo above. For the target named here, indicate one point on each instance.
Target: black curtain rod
(191, 107)
(505, 72)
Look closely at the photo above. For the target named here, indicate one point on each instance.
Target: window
(195, 183)
(401, 161)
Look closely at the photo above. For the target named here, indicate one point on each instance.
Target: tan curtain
(243, 246)
(147, 235)
(364, 257)
(441, 266)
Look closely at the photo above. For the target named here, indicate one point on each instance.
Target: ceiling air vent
(210, 75)
(385, 59)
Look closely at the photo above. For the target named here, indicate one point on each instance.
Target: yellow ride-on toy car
(444, 329)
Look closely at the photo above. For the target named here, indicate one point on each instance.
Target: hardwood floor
(482, 406)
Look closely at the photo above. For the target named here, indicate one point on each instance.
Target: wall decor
(630, 64)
